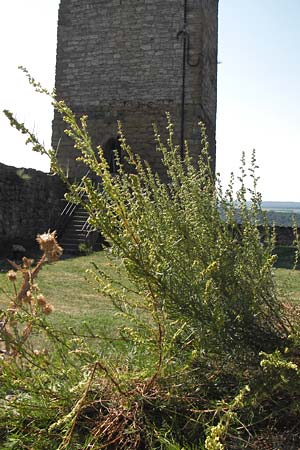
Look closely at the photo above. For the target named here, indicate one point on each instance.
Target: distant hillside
(282, 213)
(283, 219)
(282, 206)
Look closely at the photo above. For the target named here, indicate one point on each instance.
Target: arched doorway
(111, 146)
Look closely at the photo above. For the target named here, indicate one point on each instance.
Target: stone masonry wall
(122, 60)
(30, 202)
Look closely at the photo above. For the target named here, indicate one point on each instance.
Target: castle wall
(30, 202)
(122, 60)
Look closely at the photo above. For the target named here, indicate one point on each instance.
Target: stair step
(78, 220)
(77, 223)
(73, 234)
(68, 239)
(81, 217)
(75, 228)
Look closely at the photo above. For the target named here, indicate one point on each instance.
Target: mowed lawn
(73, 294)
(77, 302)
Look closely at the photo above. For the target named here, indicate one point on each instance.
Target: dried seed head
(41, 300)
(27, 263)
(12, 275)
(48, 309)
(28, 297)
(48, 244)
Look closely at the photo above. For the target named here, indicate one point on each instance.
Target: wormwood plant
(204, 325)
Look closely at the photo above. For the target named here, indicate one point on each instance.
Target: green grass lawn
(76, 300)
(289, 281)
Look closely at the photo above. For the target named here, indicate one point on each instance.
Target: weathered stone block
(30, 203)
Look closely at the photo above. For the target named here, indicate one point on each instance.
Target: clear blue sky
(258, 86)
(259, 91)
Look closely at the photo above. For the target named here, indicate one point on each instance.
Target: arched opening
(110, 148)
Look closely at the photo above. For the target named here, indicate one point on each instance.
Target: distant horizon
(280, 202)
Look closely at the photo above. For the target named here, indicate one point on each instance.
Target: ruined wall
(30, 202)
(122, 60)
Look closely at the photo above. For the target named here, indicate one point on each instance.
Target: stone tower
(133, 60)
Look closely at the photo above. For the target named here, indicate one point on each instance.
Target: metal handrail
(70, 206)
(68, 212)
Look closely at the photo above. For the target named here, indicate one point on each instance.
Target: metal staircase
(73, 229)
(74, 234)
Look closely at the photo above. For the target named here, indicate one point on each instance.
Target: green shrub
(196, 251)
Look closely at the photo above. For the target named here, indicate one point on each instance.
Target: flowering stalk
(27, 298)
